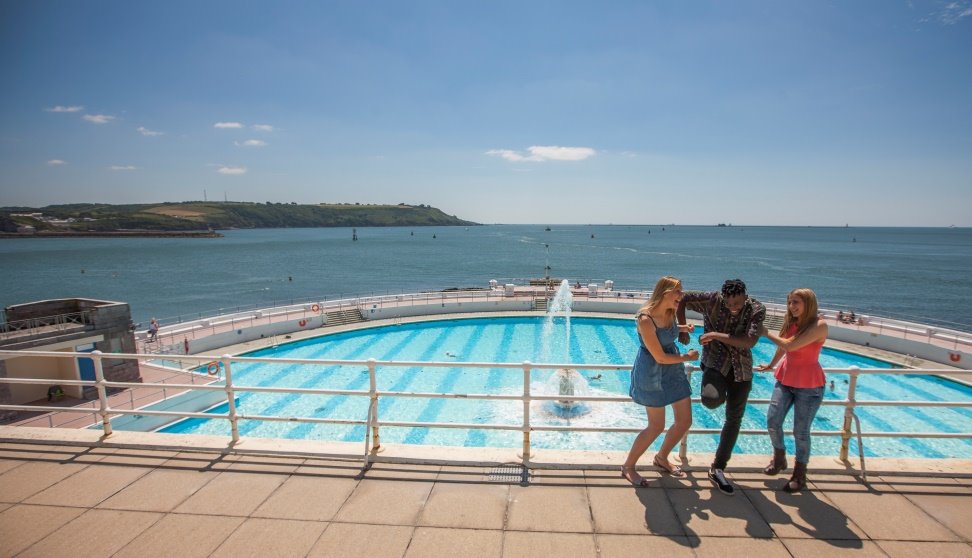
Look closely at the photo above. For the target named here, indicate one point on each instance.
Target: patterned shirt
(716, 317)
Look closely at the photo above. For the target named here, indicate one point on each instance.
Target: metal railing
(45, 324)
(374, 423)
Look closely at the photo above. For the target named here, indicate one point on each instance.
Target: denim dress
(658, 385)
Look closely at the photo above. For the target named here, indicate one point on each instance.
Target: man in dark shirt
(732, 323)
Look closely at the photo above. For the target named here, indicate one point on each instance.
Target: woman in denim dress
(658, 379)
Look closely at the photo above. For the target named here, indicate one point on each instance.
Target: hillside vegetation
(183, 216)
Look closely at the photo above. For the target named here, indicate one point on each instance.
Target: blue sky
(745, 112)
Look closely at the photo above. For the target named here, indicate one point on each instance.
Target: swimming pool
(516, 339)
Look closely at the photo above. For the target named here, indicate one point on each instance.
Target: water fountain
(568, 381)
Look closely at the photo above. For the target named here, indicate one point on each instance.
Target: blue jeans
(805, 401)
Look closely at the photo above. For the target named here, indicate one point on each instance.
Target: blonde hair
(809, 316)
(664, 286)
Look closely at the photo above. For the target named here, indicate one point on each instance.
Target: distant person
(852, 318)
(54, 393)
(733, 322)
(658, 379)
(153, 329)
(799, 382)
(840, 316)
(832, 386)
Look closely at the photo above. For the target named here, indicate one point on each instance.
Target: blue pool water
(591, 340)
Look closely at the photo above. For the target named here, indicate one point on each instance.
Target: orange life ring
(212, 368)
(302, 323)
(954, 357)
(316, 308)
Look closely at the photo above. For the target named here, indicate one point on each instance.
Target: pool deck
(72, 499)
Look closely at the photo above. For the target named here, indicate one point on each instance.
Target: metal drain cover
(512, 472)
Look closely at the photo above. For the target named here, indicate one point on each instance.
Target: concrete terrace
(78, 499)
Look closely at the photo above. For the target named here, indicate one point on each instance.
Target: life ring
(302, 323)
(954, 357)
(316, 308)
(212, 368)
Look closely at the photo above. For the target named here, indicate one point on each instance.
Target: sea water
(921, 274)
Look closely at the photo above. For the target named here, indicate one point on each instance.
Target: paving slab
(23, 482)
(814, 548)
(625, 546)
(520, 544)
(259, 463)
(951, 510)
(386, 502)
(160, 490)
(23, 525)
(906, 549)
(143, 458)
(307, 498)
(549, 508)
(259, 538)
(88, 487)
(95, 534)
(806, 515)
(899, 518)
(183, 535)
(635, 511)
(428, 542)
(710, 513)
(406, 471)
(329, 468)
(360, 540)
(474, 506)
(232, 494)
(720, 547)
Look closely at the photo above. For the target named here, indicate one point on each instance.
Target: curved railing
(373, 421)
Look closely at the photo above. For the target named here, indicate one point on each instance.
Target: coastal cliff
(201, 218)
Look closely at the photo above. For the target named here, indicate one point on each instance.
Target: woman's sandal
(675, 472)
(628, 474)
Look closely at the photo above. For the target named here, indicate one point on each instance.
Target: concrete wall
(376, 312)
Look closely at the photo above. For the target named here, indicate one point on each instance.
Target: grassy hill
(183, 216)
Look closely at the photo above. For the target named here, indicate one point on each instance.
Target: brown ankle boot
(778, 464)
(799, 479)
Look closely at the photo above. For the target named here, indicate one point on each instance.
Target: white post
(526, 411)
(102, 392)
(683, 444)
(231, 398)
(373, 415)
(848, 413)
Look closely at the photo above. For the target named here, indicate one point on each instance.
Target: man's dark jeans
(716, 390)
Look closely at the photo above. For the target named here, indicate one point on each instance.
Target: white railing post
(683, 444)
(373, 407)
(526, 411)
(102, 392)
(849, 413)
(231, 399)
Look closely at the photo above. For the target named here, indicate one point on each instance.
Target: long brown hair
(664, 285)
(809, 316)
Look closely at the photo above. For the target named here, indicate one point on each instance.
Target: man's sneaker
(718, 478)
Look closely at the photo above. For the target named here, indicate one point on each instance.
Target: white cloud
(122, 168)
(251, 143)
(953, 12)
(56, 162)
(59, 108)
(541, 153)
(98, 118)
(231, 170)
(228, 125)
(146, 132)
(263, 127)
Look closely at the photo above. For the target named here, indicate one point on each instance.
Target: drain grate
(512, 472)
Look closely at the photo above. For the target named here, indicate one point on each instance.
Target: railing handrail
(106, 412)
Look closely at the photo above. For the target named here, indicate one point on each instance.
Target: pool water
(517, 339)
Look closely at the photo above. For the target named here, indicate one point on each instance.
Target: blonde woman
(658, 379)
(800, 382)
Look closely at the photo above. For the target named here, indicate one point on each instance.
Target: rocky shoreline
(123, 234)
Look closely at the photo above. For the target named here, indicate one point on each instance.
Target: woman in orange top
(799, 382)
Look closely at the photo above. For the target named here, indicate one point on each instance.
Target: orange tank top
(801, 368)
